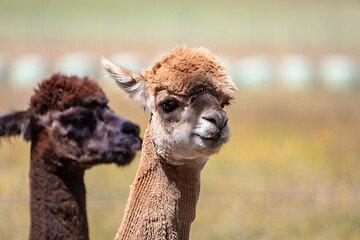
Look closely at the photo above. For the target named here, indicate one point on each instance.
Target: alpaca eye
(169, 106)
(79, 121)
(224, 104)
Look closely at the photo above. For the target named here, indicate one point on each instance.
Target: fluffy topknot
(187, 71)
(61, 92)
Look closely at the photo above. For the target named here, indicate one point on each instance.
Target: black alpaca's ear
(14, 124)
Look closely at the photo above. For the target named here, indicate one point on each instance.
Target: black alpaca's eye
(79, 121)
(169, 106)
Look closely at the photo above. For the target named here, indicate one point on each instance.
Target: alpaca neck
(163, 198)
(57, 196)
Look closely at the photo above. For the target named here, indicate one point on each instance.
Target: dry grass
(281, 143)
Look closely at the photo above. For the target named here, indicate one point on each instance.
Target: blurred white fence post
(339, 72)
(130, 61)
(80, 64)
(296, 72)
(254, 72)
(28, 70)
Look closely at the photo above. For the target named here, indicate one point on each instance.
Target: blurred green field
(275, 25)
(290, 171)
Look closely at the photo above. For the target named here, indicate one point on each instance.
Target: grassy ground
(290, 171)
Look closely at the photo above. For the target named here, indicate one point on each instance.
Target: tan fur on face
(188, 71)
(182, 76)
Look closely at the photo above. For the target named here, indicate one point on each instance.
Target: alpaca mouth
(210, 143)
(123, 157)
(212, 138)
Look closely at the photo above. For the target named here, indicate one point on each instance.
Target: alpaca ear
(14, 124)
(133, 84)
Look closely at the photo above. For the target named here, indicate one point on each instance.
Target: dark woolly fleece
(61, 92)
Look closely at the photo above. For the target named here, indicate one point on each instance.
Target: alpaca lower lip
(210, 138)
(214, 138)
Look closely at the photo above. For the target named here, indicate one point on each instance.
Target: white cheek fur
(182, 134)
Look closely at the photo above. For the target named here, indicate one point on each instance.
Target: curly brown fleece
(60, 92)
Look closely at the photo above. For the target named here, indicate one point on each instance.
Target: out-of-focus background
(292, 167)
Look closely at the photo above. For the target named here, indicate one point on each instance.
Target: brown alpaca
(71, 129)
(185, 93)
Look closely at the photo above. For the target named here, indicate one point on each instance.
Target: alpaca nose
(219, 118)
(130, 128)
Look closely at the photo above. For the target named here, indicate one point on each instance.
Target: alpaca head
(185, 92)
(69, 118)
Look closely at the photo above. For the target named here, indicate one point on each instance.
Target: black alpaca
(71, 129)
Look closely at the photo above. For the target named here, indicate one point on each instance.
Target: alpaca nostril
(130, 128)
(224, 124)
(218, 118)
(212, 120)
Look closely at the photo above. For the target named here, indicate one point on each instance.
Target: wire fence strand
(235, 193)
